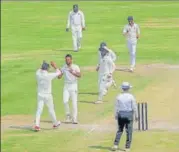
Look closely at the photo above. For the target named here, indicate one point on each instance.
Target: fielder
(71, 74)
(125, 108)
(132, 32)
(76, 21)
(44, 94)
(105, 69)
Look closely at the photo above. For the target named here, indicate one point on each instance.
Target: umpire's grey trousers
(125, 119)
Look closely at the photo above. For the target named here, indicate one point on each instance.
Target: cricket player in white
(111, 54)
(132, 32)
(44, 94)
(76, 21)
(71, 74)
(105, 69)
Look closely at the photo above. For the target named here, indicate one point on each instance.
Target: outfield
(34, 31)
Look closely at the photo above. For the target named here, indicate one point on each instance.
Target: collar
(132, 25)
(44, 71)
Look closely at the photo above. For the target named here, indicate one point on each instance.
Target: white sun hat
(125, 86)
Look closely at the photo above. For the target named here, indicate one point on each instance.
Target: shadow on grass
(88, 102)
(46, 121)
(63, 122)
(100, 147)
(89, 93)
(104, 148)
(63, 50)
(29, 128)
(123, 69)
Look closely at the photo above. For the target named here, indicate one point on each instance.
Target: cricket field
(35, 31)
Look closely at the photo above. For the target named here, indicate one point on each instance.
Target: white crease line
(92, 129)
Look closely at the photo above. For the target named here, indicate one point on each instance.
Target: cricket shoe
(98, 102)
(36, 128)
(127, 150)
(68, 119)
(131, 69)
(114, 148)
(56, 125)
(74, 121)
(79, 47)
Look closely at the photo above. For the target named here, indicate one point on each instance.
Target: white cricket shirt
(106, 65)
(111, 54)
(44, 80)
(76, 19)
(132, 32)
(68, 77)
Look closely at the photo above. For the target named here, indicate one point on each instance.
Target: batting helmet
(102, 44)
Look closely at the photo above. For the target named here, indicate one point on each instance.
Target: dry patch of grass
(162, 96)
(161, 23)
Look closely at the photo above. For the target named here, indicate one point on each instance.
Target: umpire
(125, 110)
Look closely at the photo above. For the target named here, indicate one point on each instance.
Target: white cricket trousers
(104, 84)
(48, 100)
(70, 91)
(132, 51)
(76, 37)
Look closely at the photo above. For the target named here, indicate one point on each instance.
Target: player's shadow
(123, 69)
(46, 121)
(103, 148)
(88, 93)
(63, 50)
(29, 128)
(88, 102)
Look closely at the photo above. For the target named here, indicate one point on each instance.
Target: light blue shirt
(126, 102)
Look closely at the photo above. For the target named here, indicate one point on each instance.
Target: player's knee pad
(103, 92)
(108, 85)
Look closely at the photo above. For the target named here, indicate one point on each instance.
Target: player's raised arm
(111, 53)
(54, 74)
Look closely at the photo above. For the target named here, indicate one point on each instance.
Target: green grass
(153, 141)
(34, 31)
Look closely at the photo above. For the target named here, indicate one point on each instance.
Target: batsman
(105, 68)
(110, 53)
